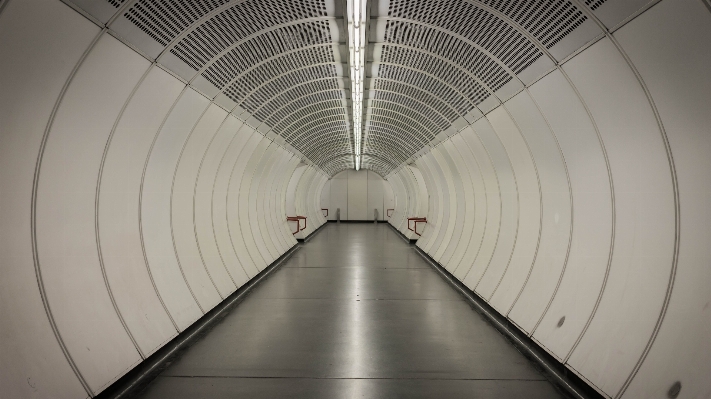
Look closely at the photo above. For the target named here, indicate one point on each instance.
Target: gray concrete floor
(354, 313)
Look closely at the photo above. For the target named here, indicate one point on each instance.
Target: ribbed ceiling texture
(432, 67)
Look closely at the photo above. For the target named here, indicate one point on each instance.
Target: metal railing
(298, 220)
(415, 220)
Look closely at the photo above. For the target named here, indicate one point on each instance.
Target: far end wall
(357, 194)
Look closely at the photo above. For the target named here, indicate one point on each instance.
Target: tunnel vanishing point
(551, 159)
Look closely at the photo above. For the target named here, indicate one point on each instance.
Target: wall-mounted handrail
(388, 212)
(325, 209)
(297, 219)
(415, 220)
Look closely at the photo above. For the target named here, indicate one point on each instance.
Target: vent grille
(280, 69)
(164, 20)
(267, 45)
(474, 24)
(282, 106)
(594, 4)
(449, 47)
(231, 26)
(272, 105)
(115, 3)
(447, 73)
(275, 59)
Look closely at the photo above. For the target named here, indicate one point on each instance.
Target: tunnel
(355, 198)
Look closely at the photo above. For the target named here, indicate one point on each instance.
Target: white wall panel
(119, 222)
(400, 200)
(449, 205)
(339, 195)
(252, 221)
(277, 216)
(183, 216)
(326, 200)
(292, 207)
(287, 203)
(408, 199)
(466, 206)
(314, 195)
(264, 209)
(429, 231)
(500, 251)
(357, 194)
(225, 212)
(300, 205)
(529, 212)
(644, 213)
(476, 225)
(228, 276)
(583, 274)
(418, 184)
(41, 42)
(309, 204)
(449, 240)
(508, 230)
(376, 196)
(669, 46)
(556, 212)
(238, 204)
(66, 213)
(457, 213)
(388, 199)
(155, 208)
(323, 179)
(476, 265)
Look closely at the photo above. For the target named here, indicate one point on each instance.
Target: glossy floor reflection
(353, 313)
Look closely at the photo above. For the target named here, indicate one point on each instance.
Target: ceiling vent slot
(594, 4)
(231, 26)
(164, 20)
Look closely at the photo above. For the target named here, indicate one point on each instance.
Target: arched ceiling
(432, 67)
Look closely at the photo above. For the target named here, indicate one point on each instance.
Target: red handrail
(387, 212)
(297, 219)
(416, 220)
(325, 209)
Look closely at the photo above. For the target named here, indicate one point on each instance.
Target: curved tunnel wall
(130, 205)
(579, 207)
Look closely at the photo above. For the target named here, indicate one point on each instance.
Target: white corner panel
(574, 294)
(477, 223)
(227, 277)
(529, 211)
(41, 42)
(226, 211)
(155, 209)
(485, 234)
(555, 214)
(119, 222)
(240, 210)
(467, 207)
(376, 196)
(182, 209)
(66, 213)
(357, 194)
(644, 216)
(508, 225)
(458, 212)
(669, 46)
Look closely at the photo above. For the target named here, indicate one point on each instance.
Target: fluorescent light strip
(356, 47)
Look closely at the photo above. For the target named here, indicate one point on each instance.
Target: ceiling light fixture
(356, 48)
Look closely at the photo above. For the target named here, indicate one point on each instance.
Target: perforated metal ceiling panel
(433, 66)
